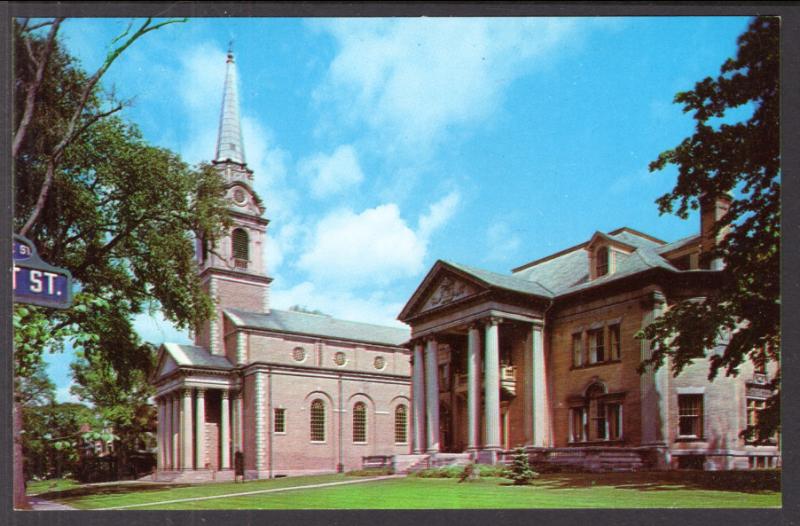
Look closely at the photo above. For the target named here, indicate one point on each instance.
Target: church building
(294, 392)
(546, 358)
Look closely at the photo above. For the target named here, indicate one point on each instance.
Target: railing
(508, 379)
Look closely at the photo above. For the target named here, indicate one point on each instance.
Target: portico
(478, 364)
(199, 413)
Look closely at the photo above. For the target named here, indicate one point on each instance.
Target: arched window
(401, 424)
(360, 422)
(241, 245)
(318, 421)
(601, 258)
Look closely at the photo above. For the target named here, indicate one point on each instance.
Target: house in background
(546, 357)
(295, 392)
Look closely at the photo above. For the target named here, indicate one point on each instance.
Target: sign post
(37, 283)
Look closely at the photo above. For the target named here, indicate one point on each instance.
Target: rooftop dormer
(605, 254)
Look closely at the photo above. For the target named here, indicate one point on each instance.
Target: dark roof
(193, 356)
(569, 270)
(504, 281)
(319, 325)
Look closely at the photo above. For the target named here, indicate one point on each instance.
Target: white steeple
(229, 142)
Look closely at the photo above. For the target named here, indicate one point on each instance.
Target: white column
(492, 387)
(432, 390)
(225, 431)
(160, 428)
(200, 434)
(539, 387)
(473, 387)
(175, 431)
(418, 397)
(186, 430)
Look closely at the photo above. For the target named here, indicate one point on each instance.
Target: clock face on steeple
(239, 196)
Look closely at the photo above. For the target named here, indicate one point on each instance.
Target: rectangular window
(614, 341)
(577, 350)
(614, 420)
(280, 421)
(690, 416)
(577, 424)
(596, 346)
(599, 420)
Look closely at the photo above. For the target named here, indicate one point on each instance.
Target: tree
(520, 471)
(121, 397)
(121, 215)
(742, 160)
(53, 437)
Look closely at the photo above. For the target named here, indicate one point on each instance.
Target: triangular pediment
(601, 239)
(441, 287)
(166, 364)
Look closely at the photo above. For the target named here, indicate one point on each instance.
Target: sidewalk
(39, 504)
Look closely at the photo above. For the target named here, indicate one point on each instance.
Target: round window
(299, 354)
(239, 196)
(380, 362)
(339, 358)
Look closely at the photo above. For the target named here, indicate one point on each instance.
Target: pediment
(440, 288)
(166, 364)
(446, 290)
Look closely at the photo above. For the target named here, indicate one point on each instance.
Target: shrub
(370, 472)
(449, 472)
(520, 471)
(471, 473)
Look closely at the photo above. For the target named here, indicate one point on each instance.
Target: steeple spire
(229, 142)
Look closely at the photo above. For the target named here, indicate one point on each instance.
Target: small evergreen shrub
(520, 471)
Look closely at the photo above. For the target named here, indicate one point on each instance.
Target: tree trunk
(20, 500)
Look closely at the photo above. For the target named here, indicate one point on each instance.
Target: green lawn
(35, 487)
(607, 490)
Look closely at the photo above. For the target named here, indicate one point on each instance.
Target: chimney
(712, 209)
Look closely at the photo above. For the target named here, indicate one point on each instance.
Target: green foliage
(520, 471)
(740, 159)
(449, 472)
(370, 472)
(53, 438)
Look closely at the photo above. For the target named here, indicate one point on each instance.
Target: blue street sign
(36, 282)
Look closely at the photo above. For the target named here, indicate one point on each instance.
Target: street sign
(37, 282)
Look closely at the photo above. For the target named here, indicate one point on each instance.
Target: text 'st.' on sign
(35, 281)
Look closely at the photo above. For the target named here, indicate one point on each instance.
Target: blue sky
(382, 145)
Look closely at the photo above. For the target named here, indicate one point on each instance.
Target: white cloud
(334, 173)
(375, 308)
(502, 243)
(412, 79)
(438, 214)
(375, 246)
